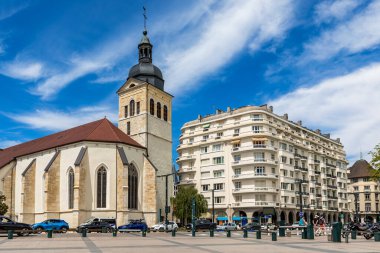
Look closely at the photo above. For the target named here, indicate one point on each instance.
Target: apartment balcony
(333, 208)
(318, 195)
(185, 158)
(317, 161)
(318, 207)
(303, 206)
(253, 147)
(328, 175)
(253, 161)
(186, 170)
(256, 204)
(318, 184)
(332, 186)
(332, 197)
(300, 156)
(302, 193)
(254, 190)
(254, 176)
(330, 165)
(187, 182)
(317, 172)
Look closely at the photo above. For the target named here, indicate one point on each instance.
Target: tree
(3, 206)
(375, 163)
(182, 203)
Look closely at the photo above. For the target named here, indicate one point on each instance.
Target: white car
(226, 227)
(161, 227)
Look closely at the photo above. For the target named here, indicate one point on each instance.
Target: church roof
(98, 131)
(360, 169)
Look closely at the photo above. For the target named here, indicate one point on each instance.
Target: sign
(301, 214)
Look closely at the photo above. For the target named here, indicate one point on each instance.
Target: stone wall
(28, 198)
(52, 182)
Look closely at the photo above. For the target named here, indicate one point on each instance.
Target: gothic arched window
(159, 110)
(151, 106)
(165, 113)
(71, 188)
(101, 191)
(132, 108)
(132, 187)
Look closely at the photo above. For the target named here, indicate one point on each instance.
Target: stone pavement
(183, 243)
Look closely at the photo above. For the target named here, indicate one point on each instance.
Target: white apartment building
(262, 166)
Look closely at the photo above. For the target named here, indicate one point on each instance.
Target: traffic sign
(301, 214)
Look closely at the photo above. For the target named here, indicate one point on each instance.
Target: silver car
(226, 226)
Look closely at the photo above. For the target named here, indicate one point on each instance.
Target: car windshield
(4, 220)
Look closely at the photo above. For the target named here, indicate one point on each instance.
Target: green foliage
(183, 201)
(375, 163)
(3, 206)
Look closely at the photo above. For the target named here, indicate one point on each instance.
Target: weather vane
(145, 18)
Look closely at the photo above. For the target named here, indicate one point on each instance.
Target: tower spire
(145, 18)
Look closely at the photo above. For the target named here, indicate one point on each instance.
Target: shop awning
(235, 142)
(222, 218)
(206, 126)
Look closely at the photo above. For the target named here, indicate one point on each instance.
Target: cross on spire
(145, 18)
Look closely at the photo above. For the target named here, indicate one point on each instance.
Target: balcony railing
(330, 165)
(186, 157)
(254, 175)
(256, 204)
(186, 170)
(253, 161)
(187, 181)
(317, 172)
(254, 189)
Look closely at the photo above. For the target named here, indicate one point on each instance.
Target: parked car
(51, 224)
(95, 226)
(226, 226)
(201, 225)
(254, 226)
(161, 227)
(268, 226)
(22, 229)
(134, 225)
(111, 221)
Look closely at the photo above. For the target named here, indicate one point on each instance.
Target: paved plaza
(182, 243)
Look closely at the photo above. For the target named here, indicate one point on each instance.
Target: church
(98, 169)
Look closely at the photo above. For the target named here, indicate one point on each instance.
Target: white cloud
(348, 106)
(11, 8)
(358, 34)
(8, 143)
(23, 70)
(230, 27)
(328, 11)
(60, 120)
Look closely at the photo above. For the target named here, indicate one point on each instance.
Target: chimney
(318, 131)
(271, 108)
(199, 117)
(218, 111)
(228, 109)
(286, 116)
(338, 140)
(299, 122)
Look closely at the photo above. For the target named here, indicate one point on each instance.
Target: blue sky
(61, 62)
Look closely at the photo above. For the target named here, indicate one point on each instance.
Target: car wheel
(108, 230)
(39, 230)
(24, 232)
(64, 230)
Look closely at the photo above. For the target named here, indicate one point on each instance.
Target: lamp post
(356, 195)
(167, 207)
(213, 207)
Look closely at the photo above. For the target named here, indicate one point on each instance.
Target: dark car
(201, 225)
(134, 225)
(21, 229)
(95, 226)
(253, 226)
(51, 224)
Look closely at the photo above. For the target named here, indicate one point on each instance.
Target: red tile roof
(98, 131)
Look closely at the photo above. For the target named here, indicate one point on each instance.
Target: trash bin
(228, 233)
(143, 233)
(304, 233)
(10, 234)
(274, 236)
(258, 234)
(310, 232)
(336, 232)
(211, 232)
(173, 232)
(353, 234)
(50, 233)
(84, 232)
(377, 236)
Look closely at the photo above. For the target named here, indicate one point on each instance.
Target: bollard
(211, 232)
(304, 233)
(377, 236)
(143, 233)
(173, 232)
(274, 236)
(245, 233)
(336, 232)
(353, 234)
(84, 232)
(346, 238)
(10, 234)
(114, 232)
(50, 233)
(310, 232)
(258, 234)
(228, 233)
(193, 233)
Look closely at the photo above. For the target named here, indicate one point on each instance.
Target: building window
(151, 105)
(367, 196)
(218, 160)
(129, 128)
(260, 170)
(205, 137)
(205, 174)
(132, 108)
(219, 186)
(238, 198)
(216, 147)
(159, 110)
(237, 158)
(205, 187)
(257, 129)
(218, 200)
(236, 131)
(101, 193)
(283, 159)
(71, 189)
(204, 150)
(132, 187)
(368, 207)
(165, 113)
(367, 188)
(237, 171)
(219, 134)
(356, 188)
(366, 179)
(126, 111)
(237, 185)
(137, 108)
(219, 173)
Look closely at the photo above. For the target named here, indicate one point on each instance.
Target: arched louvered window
(132, 187)
(165, 113)
(132, 108)
(71, 188)
(101, 191)
(159, 110)
(151, 106)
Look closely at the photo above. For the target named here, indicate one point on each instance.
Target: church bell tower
(145, 114)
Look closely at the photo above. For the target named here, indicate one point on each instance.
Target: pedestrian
(321, 223)
(302, 222)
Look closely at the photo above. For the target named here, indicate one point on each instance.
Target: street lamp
(167, 207)
(213, 207)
